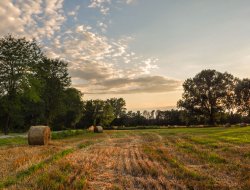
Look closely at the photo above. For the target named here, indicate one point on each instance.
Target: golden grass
(132, 160)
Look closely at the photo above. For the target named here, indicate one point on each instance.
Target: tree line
(210, 98)
(36, 90)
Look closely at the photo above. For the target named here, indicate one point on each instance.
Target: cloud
(149, 65)
(75, 11)
(34, 19)
(97, 64)
(92, 71)
(130, 1)
(9, 16)
(102, 26)
(102, 5)
(94, 58)
(105, 8)
(143, 84)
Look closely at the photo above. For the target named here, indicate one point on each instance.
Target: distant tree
(119, 106)
(18, 58)
(88, 114)
(152, 115)
(207, 93)
(97, 112)
(146, 114)
(72, 110)
(107, 115)
(242, 92)
(54, 78)
(170, 117)
(137, 119)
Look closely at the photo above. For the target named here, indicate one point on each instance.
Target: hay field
(197, 158)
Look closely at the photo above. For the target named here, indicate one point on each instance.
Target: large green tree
(18, 60)
(55, 79)
(207, 94)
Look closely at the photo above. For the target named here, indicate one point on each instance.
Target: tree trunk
(211, 118)
(6, 127)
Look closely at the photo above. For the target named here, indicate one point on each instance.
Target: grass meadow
(177, 158)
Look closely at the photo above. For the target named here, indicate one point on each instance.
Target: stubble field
(195, 158)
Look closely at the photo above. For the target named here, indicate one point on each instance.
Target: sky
(141, 50)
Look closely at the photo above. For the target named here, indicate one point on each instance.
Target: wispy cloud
(74, 12)
(142, 84)
(102, 26)
(97, 64)
(36, 19)
(130, 1)
(104, 5)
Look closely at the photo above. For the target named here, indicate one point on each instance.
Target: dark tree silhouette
(207, 94)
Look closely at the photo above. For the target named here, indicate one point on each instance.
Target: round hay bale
(98, 129)
(39, 135)
(91, 128)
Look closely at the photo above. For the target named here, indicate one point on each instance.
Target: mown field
(195, 158)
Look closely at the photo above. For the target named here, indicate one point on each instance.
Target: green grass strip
(13, 141)
(210, 157)
(21, 175)
(69, 133)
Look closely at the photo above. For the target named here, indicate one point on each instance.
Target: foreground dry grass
(150, 159)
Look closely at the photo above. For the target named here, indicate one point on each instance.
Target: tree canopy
(18, 60)
(207, 94)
